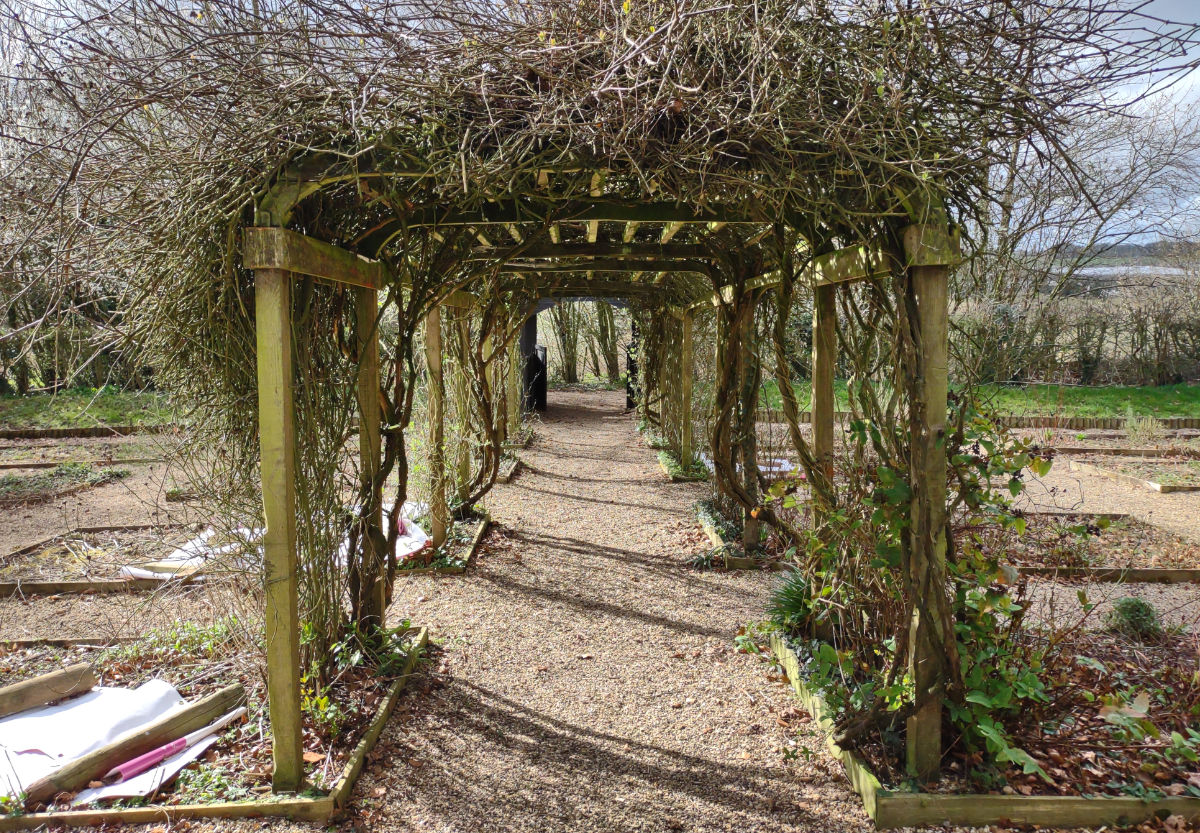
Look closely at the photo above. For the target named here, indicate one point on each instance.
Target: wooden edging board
(54, 587)
(476, 540)
(53, 464)
(95, 431)
(890, 809)
(508, 470)
(1130, 480)
(295, 808)
(1100, 450)
(1117, 575)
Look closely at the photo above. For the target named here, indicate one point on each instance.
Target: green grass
(1054, 400)
(83, 408)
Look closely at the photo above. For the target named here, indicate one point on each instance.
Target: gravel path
(590, 680)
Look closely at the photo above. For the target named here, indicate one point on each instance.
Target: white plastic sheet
(35, 743)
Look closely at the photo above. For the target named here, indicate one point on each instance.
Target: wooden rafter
(654, 251)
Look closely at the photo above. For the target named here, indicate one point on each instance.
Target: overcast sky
(1182, 11)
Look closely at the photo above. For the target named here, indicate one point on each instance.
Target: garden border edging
(896, 809)
(297, 808)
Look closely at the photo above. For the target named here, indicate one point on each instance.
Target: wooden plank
(1117, 575)
(861, 779)
(279, 248)
(653, 251)
(687, 371)
(438, 513)
(100, 587)
(824, 362)
(296, 809)
(925, 809)
(928, 561)
(276, 415)
(855, 263)
(610, 265)
(46, 688)
(370, 420)
(171, 726)
(344, 786)
(1132, 480)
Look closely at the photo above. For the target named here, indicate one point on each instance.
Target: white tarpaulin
(235, 549)
(35, 743)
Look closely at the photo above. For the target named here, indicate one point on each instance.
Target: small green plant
(703, 560)
(677, 471)
(208, 783)
(317, 702)
(791, 602)
(1136, 618)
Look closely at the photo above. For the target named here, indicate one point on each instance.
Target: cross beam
(688, 251)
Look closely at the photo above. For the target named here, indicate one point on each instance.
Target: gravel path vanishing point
(589, 680)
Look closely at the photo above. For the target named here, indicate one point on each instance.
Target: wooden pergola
(595, 244)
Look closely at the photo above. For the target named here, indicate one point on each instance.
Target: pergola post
(438, 515)
(928, 252)
(685, 393)
(515, 393)
(276, 421)
(462, 404)
(369, 444)
(824, 361)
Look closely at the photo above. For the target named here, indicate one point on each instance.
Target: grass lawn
(1054, 400)
(83, 408)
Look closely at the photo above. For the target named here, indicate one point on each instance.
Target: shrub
(791, 601)
(1135, 617)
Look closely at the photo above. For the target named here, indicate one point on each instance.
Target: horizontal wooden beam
(534, 211)
(854, 263)
(600, 289)
(610, 265)
(279, 248)
(655, 251)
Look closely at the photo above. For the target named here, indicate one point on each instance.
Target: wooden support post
(370, 446)
(927, 258)
(438, 515)
(824, 361)
(685, 394)
(273, 323)
(516, 392)
(462, 405)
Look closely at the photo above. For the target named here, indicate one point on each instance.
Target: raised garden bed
(39, 485)
(455, 556)
(89, 560)
(339, 732)
(1156, 474)
(890, 808)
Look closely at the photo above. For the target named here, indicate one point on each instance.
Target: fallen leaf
(380, 792)
(313, 757)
